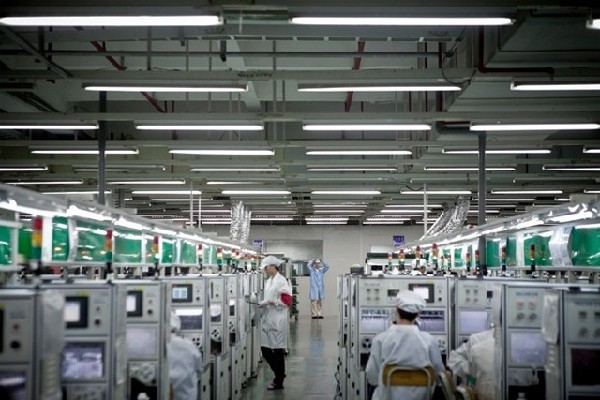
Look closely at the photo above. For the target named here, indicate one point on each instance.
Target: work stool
(452, 392)
(396, 375)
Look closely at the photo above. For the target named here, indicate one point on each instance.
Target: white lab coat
(406, 346)
(185, 367)
(459, 360)
(274, 322)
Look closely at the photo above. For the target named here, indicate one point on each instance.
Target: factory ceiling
(299, 94)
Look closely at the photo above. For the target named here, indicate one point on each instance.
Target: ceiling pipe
(102, 48)
(355, 67)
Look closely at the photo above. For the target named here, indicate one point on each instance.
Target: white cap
(270, 260)
(410, 301)
(318, 260)
(175, 322)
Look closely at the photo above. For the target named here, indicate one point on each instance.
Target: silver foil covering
(237, 214)
(452, 219)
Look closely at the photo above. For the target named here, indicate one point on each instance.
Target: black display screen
(84, 360)
(585, 364)
(181, 293)
(191, 318)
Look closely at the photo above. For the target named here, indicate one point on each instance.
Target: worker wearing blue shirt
(317, 269)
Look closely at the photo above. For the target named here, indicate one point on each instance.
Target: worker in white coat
(274, 330)
(185, 364)
(317, 269)
(404, 345)
(473, 362)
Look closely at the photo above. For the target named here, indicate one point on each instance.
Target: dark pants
(276, 360)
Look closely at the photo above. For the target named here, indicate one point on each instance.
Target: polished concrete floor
(310, 365)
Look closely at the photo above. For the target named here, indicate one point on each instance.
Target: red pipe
(355, 66)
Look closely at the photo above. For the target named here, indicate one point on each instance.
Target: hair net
(175, 322)
(270, 260)
(318, 260)
(410, 301)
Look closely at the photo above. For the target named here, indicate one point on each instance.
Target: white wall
(294, 249)
(342, 247)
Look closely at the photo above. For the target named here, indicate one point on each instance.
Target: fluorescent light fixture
(591, 150)
(205, 222)
(230, 169)
(74, 211)
(571, 168)
(224, 152)
(82, 192)
(181, 192)
(223, 211)
(326, 222)
(562, 199)
(117, 167)
(321, 219)
(347, 192)
(466, 169)
(371, 222)
(536, 192)
(49, 127)
(532, 127)
(115, 20)
(385, 218)
(486, 211)
(414, 205)
(397, 21)
(377, 88)
(396, 211)
(23, 168)
(182, 127)
(591, 191)
(271, 218)
(554, 86)
(367, 127)
(520, 199)
(529, 224)
(256, 192)
(340, 205)
(230, 183)
(359, 153)
(350, 212)
(594, 24)
(434, 192)
(496, 151)
(364, 169)
(142, 182)
(167, 89)
(24, 183)
(84, 151)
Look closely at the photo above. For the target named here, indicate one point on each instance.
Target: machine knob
(15, 345)
(597, 333)
(532, 316)
(520, 315)
(583, 332)
(150, 312)
(97, 321)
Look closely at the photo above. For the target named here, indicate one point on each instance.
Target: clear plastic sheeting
(237, 214)
(452, 219)
(245, 230)
(53, 306)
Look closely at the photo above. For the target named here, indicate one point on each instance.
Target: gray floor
(310, 365)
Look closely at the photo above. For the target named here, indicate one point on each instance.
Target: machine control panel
(143, 303)
(524, 306)
(583, 318)
(16, 324)
(474, 294)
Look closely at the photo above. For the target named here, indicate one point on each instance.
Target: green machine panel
(5, 243)
(127, 246)
(458, 258)
(188, 253)
(90, 245)
(25, 241)
(60, 239)
(168, 245)
(585, 247)
(493, 253)
(149, 256)
(511, 251)
(210, 254)
(542, 250)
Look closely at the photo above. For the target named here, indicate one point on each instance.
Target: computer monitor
(141, 341)
(83, 360)
(432, 321)
(191, 318)
(585, 364)
(12, 386)
(472, 321)
(134, 303)
(76, 312)
(425, 290)
(181, 293)
(527, 349)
